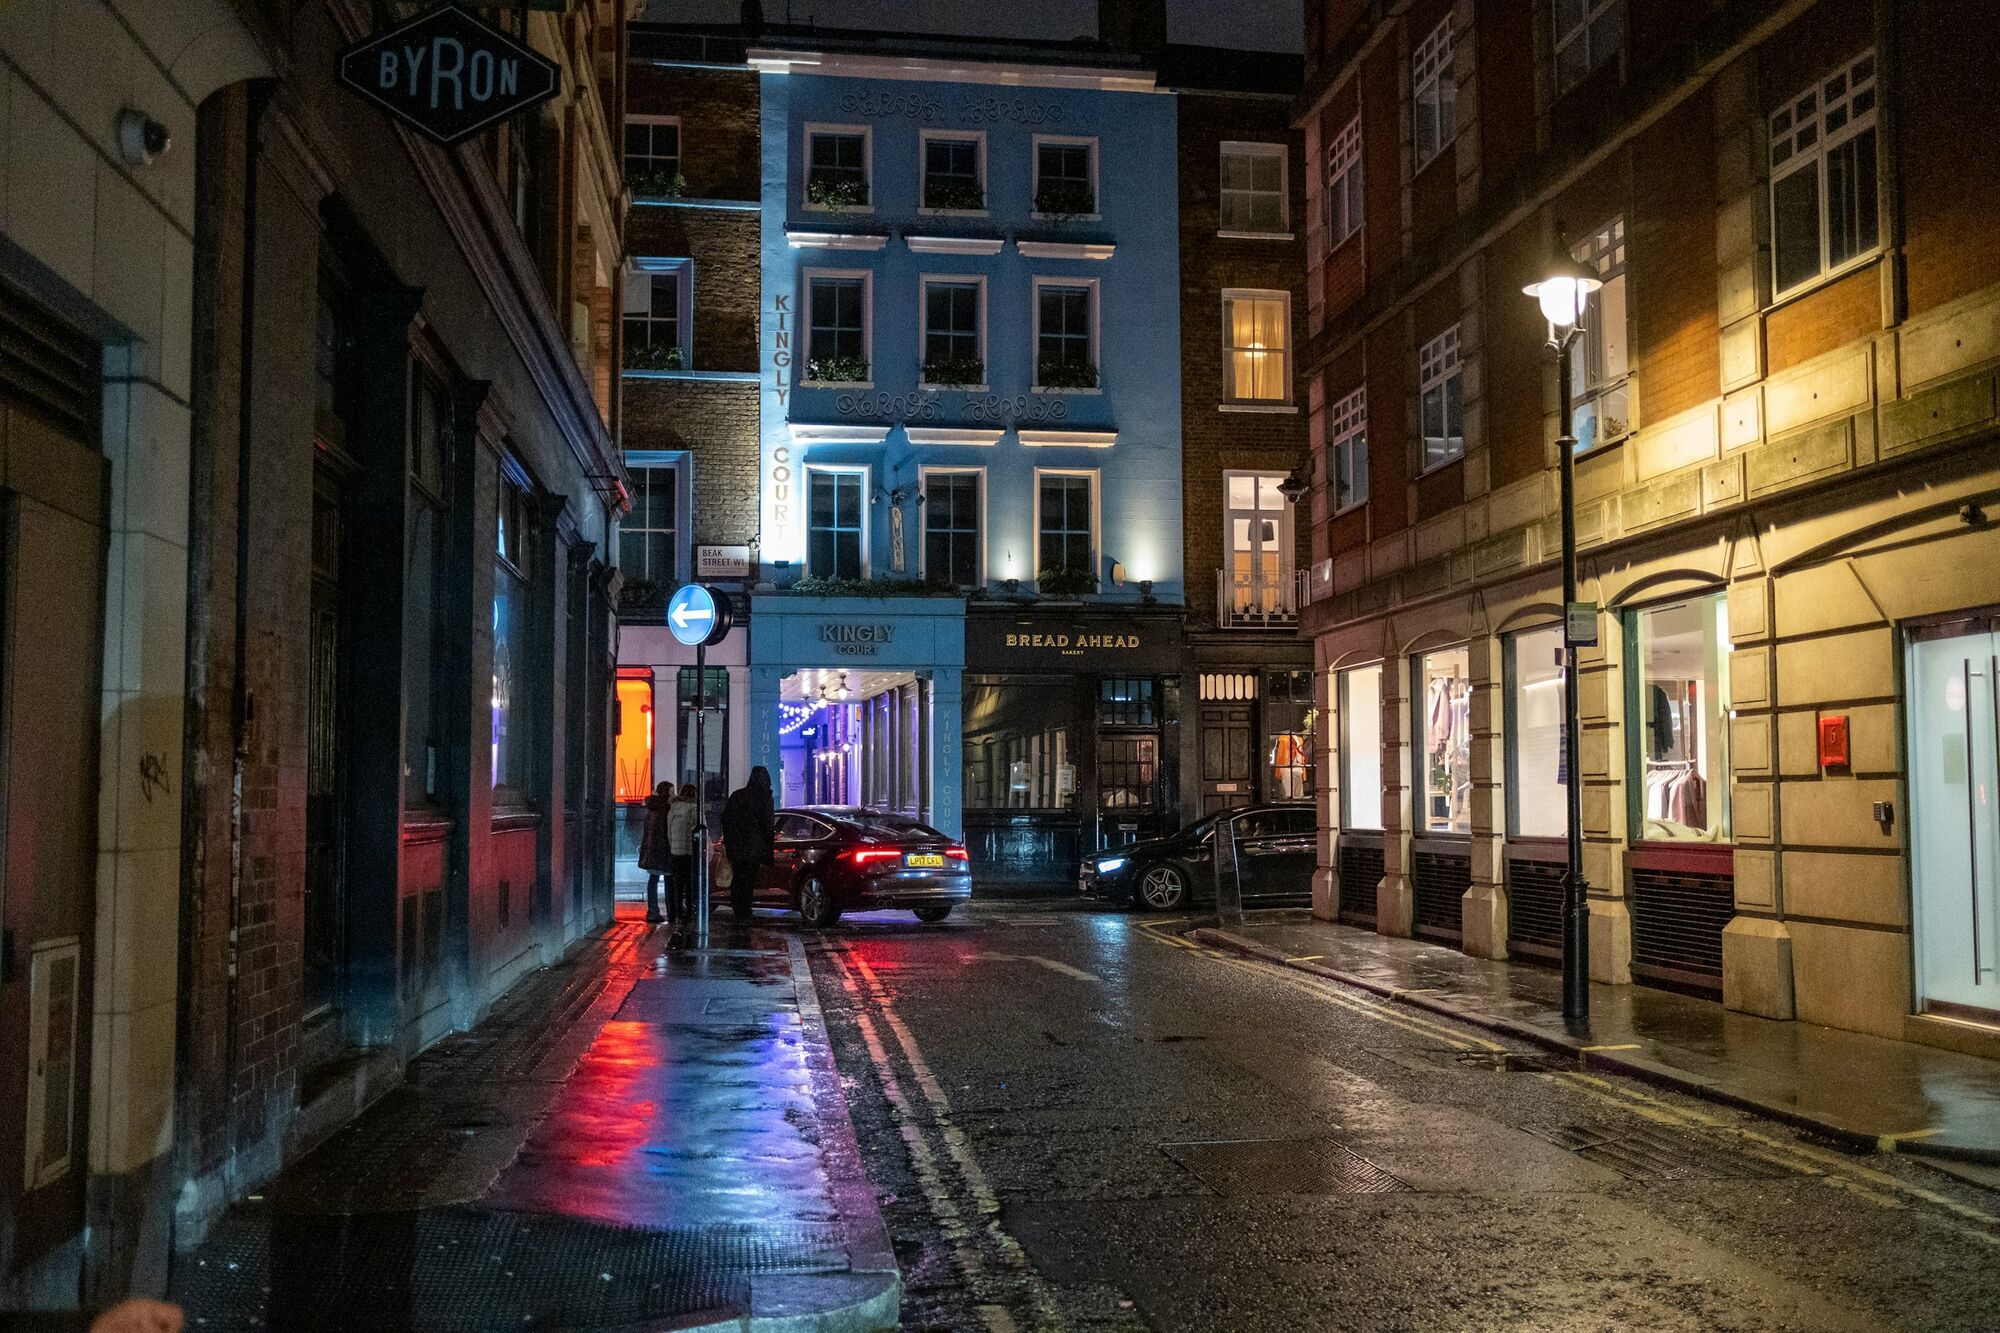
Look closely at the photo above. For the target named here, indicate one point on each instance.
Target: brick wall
(1950, 199)
(720, 117)
(723, 246)
(717, 423)
(1671, 290)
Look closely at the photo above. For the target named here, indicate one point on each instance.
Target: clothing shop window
(1824, 208)
(1599, 367)
(836, 537)
(954, 176)
(646, 535)
(423, 569)
(1537, 780)
(1444, 728)
(1253, 188)
(513, 614)
(951, 528)
(1340, 200)
(1587, 33)
(1433, 94)
(1255, 331)
(1288, 746)
(1442, 380)
(1678, 710)
(1347, 450)
(837, 169)
(1360, 703)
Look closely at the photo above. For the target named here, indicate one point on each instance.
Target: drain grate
(1499, 1062)
(1655, 1153)
(1243, 1167)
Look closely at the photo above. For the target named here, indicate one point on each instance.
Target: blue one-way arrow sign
(698, 614)
(448, 75)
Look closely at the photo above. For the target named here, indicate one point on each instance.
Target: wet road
(1077, 1119)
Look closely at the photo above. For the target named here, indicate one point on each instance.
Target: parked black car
(1272, 849)
(830, 859)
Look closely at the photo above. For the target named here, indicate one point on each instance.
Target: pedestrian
(680, 856)
(653, 858)
(749, 820)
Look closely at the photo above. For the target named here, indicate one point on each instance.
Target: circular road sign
(698, 614)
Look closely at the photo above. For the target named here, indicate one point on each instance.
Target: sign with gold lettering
(1097, 644)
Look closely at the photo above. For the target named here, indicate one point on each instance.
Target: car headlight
(1111, 867)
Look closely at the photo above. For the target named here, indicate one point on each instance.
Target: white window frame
(1786, 125)
(1347, 436)
(680, 141)
(682, 271)
(1230, 396)
(924, 475)
(1603, 251)
(1593, 10)
(1287, 524)
(924, 282)
(1431, 71)
(807, 132)
(1438, 363)
(1343, 178)
(1035, 330)
(1096, 517)
(1252, 148)
(865, 472)
(867, 276)
(681, 463)
(924, 138)
(1035, 172)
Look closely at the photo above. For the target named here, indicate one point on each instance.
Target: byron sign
(447, 75)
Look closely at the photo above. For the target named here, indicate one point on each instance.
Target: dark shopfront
(1072, 732)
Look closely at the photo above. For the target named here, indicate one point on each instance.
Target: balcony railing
(1253, 601)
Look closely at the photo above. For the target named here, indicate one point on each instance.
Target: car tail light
(956, 854)
(863, 857)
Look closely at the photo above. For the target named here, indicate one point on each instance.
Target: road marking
(1888, 1142)
(1307, 958)
(1622, 1046)
(1052, 964)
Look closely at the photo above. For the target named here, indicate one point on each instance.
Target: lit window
(1823, 199)
(1444, 731)
(1588, 33)
(1254, 329)
(1253, 187)
(1359, 701)
(837, 169)
(1340, 201)
(646, 535)
(1434, 94)
(1258, 520)
(1677, 703)
(1443, 386)
(1347, 450)
(1599, 367)
(835, 539)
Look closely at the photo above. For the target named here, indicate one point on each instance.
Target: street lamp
(1563, 292)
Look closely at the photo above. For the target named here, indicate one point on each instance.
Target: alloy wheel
(1162, 888)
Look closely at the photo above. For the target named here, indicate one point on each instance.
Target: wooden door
(1228, 756)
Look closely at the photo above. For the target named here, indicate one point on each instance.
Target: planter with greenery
(955, 196)
(1066, 375)
(837, 370)
(1065, 581)
(836, 192)
(1063, 202)
(657, 183)
(826, 585)
(955, 372)
(642, 595)
(653, 356)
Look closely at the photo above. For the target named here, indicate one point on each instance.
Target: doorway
(326, 764)
(1954, 770)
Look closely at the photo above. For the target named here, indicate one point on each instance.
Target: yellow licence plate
(927, 859)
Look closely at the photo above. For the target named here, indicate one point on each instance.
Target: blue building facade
(970, 380)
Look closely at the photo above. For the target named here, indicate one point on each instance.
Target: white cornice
(954, 245)
(857, 65)
(835, 240)
(1067, 249)
(804, 432)
(1072, 439)
(952, 435)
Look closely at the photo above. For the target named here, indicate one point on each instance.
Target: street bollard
(701, 886)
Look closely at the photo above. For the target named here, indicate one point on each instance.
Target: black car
(830, 859)
(1271, 848)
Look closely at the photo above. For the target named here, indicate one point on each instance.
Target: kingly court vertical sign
(448, 75)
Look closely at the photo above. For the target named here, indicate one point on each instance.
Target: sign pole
(701, 795)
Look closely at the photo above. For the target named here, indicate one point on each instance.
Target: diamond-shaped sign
(447, 74)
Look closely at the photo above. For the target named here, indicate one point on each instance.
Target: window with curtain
(1600, 365)
(1433, 94)
(1347, 449)
(653, 324)
(1442, 386)
(1824, 207)
(1340, 200)
(646, 551)
(951, 528)
(834, 536)
(1256, 328)
(1065, 542)
(1260, 542)
(1253, 187)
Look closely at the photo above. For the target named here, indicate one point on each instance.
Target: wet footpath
(640, 1138)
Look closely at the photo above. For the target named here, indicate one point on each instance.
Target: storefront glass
(1361, 748)
(1020, 744)
(1444, 735)
(1678, 720)
(1537, 794)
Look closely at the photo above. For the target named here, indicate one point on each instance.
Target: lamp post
(1563, 293)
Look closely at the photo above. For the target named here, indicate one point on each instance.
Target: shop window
(952, 548)
(1444, 732)
(1125, 701)
(423, 568)
(1537, 791)
(1340, 199)
(954, 175)
(1599, 365)
(1360, 693)
(1587, 33)
(1433, 94)
(1020, 749)
(835, 545)
(646, 535)
(1443, 403)
(513, 616)
(1253, 189)
(1256, 364)
(1824, 209)
(1678, 720)
(633, 752)
(1066, 177)
(1347, 450)
(837, 168)
(692, 695)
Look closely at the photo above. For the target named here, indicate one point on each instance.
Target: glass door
(1954, 696)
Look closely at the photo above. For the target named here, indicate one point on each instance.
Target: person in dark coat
(749, 830)
(654, 857)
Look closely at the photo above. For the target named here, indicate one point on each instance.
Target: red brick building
(1786, 420)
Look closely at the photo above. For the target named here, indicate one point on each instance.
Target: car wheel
(816, 906)
(1163, 887)
(933, 912)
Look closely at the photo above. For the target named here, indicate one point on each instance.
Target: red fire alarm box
(1833, 741)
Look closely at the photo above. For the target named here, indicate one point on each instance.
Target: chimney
(1135, 26)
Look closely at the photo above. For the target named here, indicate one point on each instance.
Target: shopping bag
(719, 874)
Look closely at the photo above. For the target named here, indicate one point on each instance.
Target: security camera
(141, 138)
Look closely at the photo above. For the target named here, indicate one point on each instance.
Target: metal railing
(1252, 601)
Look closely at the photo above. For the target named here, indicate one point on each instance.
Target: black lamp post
(1563, 293)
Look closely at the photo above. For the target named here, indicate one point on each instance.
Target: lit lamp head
(1563, 291)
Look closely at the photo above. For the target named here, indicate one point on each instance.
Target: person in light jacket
(653, 856)
(680, 855)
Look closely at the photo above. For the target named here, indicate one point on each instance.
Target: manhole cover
(1655, 1153)
(1282, 1166)
(1499, 1062)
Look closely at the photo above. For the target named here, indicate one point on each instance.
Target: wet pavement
(1082, 1119)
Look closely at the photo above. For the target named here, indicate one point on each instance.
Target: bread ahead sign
(447, 75)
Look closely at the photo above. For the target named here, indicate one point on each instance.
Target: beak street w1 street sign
(447, 75)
